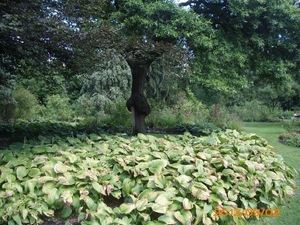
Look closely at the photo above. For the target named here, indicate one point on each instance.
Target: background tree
(147, 30)
(257, 42)
(110, 81)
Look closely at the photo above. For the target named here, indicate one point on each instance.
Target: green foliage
(141, 180)
(110, 81)
(7, 103)
(292, 125)
(27, 105)
(186, 110)
(116, 114)
(290, 139)
(166, 78)
(59, 108)
(256, 111)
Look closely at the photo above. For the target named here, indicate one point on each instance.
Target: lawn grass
(290, 212)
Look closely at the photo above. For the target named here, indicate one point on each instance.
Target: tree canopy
(229, 45)
(256, 40)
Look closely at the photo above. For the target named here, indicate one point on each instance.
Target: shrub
(59, 108)
(290, 139)
(142, 180)
(84, 106)
(27, 106)
(116, 114)
(292, 125)
(256, 111)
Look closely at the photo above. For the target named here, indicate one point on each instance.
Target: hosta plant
(143, 180)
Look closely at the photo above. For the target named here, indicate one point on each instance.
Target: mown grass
(289, 213)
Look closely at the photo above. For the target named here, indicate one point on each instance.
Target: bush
(84, 106)
(292, 125)
(59, 108)
(185, 111)
(116, 114)
(256, 111)
(142, 180)
(27, 107)
(290, 139)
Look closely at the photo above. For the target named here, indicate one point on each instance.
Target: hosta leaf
(288, 190)
(141, 204)
(251, 166)
(268, 184)
(53, 195)
(227, 172)
(184, 217)
(125, 208)
(159, 208)
(24, 212)
(206, 220)
(17, 219)
(184, 169)
(168, 218)
(220, 191)
(163, 199)
(145, 193)
(21, 172)
(206, 181)
(160, 181)
(59, 167)
(187, 204)
(207, 208)
(98, 187)
(124, 221)
(66, 197)
(90, 203)
(10, 178)
(155, 223)
(272, 175)
(232, 195)
(184, 180)
(49, 213)
(66, 212)
(157, 165)
(200, 194)
(264, 200)
(34, 172)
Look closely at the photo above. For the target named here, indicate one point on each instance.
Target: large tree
(257, 40)
(145, 30)
(74, 33)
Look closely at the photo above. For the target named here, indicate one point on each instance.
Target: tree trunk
(137, 103)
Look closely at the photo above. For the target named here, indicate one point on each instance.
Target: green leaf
(157, 165)
(184, 180)
(10, 178)
(227, 172)
(98, 187)
(53, 195)
(184, 169)
(187, 204)
(184, 217)
(164, 199)
(34, 172)
(159, 208)
(21, 172)
(168, 218)
(125, 208)
(17, 218)
(91, 204)
(141, 204)
(66, 212)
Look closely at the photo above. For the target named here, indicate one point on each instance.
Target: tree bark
(137, 103)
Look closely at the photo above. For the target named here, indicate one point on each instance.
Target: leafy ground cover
(141, 180)
(289, 213)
